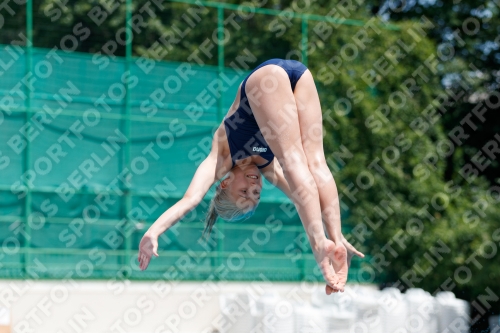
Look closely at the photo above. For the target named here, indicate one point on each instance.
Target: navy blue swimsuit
(243, 133)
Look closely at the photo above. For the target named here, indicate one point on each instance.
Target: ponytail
(211, 215)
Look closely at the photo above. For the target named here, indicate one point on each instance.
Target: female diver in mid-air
(276, 113)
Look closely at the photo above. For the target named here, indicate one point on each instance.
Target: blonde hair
(222, 206)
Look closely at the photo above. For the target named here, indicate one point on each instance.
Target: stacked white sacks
(276, 314)
(453, 313)
(368, 312)
(394, 310)
(358, 310)
(341, 322)
(239, 313)
(422, 311)
(339, 309)
(311, 319)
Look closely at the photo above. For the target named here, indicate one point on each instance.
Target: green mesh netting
(69, 209)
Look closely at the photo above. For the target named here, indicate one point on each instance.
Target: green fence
(93, 149)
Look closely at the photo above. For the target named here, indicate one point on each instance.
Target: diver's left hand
(351, 251)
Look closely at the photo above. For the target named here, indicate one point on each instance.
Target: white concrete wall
(131, 307)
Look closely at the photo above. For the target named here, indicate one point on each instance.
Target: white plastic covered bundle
(422, 308)
(311, 319)
(394, 310)
(239, 313)
(368, 312)
(341, 322)
(453, 313)
(358, 310)
(339, 309)
(276, 314)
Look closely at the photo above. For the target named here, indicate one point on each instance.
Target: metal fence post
(220, 60)
(27, 151)
(220, 112)
(129, 229)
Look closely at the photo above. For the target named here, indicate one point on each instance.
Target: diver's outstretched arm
(208, 172)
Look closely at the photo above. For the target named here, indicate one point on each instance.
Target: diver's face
(244, 185)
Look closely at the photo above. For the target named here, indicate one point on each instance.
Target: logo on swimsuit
(260, 150)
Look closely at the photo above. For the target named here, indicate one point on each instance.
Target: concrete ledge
(131, 307)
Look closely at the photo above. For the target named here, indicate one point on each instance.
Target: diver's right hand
(332, 260)
(147, 248)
